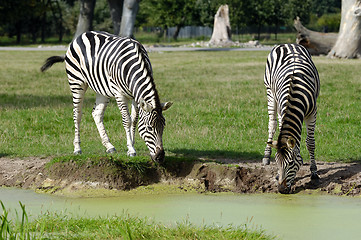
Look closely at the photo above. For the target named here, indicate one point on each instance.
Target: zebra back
(112, 64)
(294, 83)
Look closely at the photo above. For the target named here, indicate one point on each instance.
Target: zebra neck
(292, 112)
(286, 132)
(292, 120)
(145, 89)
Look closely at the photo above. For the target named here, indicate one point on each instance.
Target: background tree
(238, 15)
(345, 44)
(130, 10)
(298, 8)
(169, 13)
(348, 44)
(116, 7)
(277, 14)
(322, 7)
(19, 16)
(56, 20)
(47, 18)
(123, 27)
(85, 21)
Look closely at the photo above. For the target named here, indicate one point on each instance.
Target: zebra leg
(272, 124)
(98, 114)
(310, 143)
(78, 97)
(134, 120)
(122, 102)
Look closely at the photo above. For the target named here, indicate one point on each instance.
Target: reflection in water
(288, 216)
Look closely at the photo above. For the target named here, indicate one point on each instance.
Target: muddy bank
(240, 177)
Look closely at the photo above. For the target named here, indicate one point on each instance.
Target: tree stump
(316, 42)
(222, 29)
(348, 44)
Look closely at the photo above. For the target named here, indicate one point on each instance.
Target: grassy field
(219, 112)
(219, 107)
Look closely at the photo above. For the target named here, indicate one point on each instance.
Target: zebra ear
(291, 142)
(273, 144)
(145, 106)
(166, 105)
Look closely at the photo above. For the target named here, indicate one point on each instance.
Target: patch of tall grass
(219, 111)
(60, 226)
(17, 229)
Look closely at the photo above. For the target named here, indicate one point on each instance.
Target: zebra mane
(287, 110)
(288, 96)
(145, 56)
(148, 66)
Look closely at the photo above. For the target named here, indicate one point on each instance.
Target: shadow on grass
(25, 101)
(3, 154)
(219, 154)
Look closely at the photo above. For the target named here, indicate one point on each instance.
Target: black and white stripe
(115, 67)
(293, 86)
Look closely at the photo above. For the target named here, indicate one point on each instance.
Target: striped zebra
(293, 86)
(115, 67)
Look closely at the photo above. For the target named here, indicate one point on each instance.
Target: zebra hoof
(132, 154)
(111, 150)
(266, 161)
(314, 176)
(77, 152)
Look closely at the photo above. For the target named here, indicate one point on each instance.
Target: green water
(287, 216)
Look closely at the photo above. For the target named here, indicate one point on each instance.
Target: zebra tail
(50, 61)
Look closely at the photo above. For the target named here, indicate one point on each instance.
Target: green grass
(61, 226)
(219, 111)
(10, 229)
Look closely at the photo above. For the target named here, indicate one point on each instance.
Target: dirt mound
(21, 172)
(242, 177)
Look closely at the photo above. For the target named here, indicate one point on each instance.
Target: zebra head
(289, 161)
(151, 125)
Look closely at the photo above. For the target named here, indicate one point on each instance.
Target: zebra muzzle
(283, 188)
(159, 155)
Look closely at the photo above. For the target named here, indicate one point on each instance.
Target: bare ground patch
(242, 177)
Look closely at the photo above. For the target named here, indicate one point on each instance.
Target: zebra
(115, 67)
(293, 85)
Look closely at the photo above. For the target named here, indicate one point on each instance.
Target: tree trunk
(18, 29)
(222, 29)
(115, 7)
(60, 22)
(176, 32)
(348, 44)
(258, 32)
(130, 10)
(316, 42)
(85, 17)
(276, 30)
(43, 25)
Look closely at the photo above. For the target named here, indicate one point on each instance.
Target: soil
(229, 175)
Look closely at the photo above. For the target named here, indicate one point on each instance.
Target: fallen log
(317, 43)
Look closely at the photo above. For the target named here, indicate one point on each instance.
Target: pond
(297, 216)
